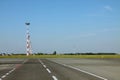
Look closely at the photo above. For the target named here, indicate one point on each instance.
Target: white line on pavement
(41, 62)
(54, 77)
(10, 71)
(13, 69)
(84, 71)
(25, 61)
(3, 76)
(7, 73)
(48, 70)
(44, 66)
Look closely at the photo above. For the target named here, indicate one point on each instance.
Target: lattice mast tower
(28, 42)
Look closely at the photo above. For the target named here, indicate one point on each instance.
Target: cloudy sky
(60, 25)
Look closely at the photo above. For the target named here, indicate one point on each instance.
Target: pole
(28, 43)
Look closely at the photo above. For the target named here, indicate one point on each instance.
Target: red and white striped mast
(28, 45)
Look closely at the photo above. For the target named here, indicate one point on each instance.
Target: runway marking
(48, 70)
(44, 66)
(84, 71)
(7, 73)
(41, 62)
(3, 76)
(13, 69)
(25, 61)
(54, 77)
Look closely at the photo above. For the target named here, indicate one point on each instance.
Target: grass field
(62, 56)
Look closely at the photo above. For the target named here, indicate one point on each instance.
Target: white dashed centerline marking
(48, 70)
(44, 66)
(7, 73)
(54, 77)
(41, 62)
(3, 76)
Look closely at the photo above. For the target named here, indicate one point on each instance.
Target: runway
(44, 69)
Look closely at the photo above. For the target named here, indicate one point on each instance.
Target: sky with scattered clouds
(60, 25)
(109, 8)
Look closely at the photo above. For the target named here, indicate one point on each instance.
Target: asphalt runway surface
(106, 68)
(56, 69)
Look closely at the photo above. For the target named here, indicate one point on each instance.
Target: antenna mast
(28, 45)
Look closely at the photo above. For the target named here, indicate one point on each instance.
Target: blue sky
(61, 25)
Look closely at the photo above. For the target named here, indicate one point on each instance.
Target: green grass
(62, 56)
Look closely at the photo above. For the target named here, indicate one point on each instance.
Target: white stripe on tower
(28, 45)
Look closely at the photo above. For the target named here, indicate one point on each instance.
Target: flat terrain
(62, 56)
(59, 69)
(107, 68)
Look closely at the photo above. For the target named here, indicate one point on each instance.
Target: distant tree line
(55, 53)
(90, 53)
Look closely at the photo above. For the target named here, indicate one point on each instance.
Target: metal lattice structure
(28, 45)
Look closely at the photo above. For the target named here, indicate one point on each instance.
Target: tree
(54, 53)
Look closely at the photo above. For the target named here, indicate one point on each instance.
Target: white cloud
(88, 35)
(94, 15)
(111, 29)
(109, 8)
